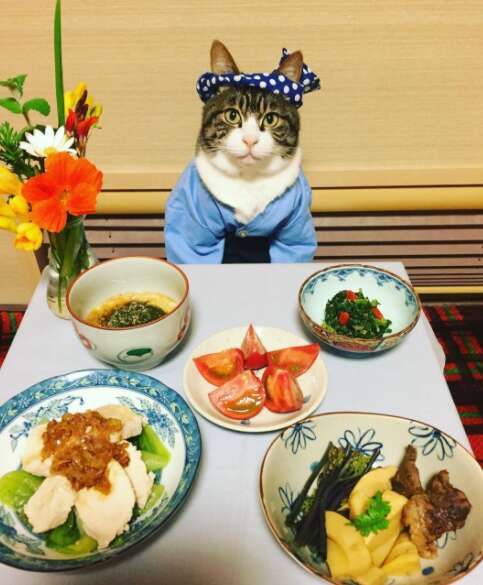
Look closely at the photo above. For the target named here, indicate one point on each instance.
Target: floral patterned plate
(287, 465)
(163, 408)
(313, 383)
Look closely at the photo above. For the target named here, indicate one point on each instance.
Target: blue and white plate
(287, 465)
(164, 410)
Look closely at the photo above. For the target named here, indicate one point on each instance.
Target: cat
(244, 197)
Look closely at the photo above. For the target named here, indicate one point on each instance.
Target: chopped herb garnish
(374, 519)
(130, 314)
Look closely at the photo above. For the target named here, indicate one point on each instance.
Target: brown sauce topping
(81, 448)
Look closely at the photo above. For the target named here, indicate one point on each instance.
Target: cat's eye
(270, 120)
(232, 116)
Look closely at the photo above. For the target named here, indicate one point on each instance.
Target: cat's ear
(221, 59)
(292, 65)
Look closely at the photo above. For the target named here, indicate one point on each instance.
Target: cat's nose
(250, 140)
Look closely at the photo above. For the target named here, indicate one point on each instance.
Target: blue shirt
(196, 223)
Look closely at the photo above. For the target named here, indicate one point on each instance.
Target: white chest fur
(247, 190)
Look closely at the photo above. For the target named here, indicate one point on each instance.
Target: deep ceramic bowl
(287, 465)
(399, 303)
(131, 348)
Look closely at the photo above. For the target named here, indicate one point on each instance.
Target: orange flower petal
(49, 214)
(41, 187)
(82, 199)
(85, 172)
(60, 166)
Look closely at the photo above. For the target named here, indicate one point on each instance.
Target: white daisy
(43, 144)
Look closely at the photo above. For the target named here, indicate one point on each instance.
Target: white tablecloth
(219, 536)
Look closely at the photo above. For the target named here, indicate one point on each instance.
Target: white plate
(313, 383)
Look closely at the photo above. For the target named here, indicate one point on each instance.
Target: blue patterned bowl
(399, 303)
(287, 465)
(164, 410)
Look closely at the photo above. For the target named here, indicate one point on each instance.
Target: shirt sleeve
(295, 240)
(194, 228)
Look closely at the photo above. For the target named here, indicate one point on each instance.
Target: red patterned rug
(459, 329)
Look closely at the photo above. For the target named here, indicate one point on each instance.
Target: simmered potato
(337, 560)
(376, 480)
(350, 541)
(403, 565)
(403, 545)
(374, 576)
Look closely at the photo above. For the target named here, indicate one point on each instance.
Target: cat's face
(249, 126)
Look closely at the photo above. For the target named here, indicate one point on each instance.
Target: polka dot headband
(275, 82)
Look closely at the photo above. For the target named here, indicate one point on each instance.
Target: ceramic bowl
(131, 348)
(287, 465)
(399, 303)
(163, 408)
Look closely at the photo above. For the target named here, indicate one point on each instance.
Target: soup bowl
(398, 302)
(138, 347)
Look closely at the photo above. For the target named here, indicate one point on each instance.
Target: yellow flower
(10, 184)
(18, 204)
(7, 223)
(72, 97)
(29, 236)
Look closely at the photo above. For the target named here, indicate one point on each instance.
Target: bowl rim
(356, 340)
(131, 327)
(344, 413)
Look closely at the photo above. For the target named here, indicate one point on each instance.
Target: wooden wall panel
(402, 80)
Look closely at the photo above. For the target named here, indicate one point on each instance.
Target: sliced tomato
(344, 317)
(283, 390)
(253, 350)
(220, 367)
(240, 398)
(377, 313)
(296, 360)
(350, 295)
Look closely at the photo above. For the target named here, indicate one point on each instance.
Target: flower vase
(69, 255)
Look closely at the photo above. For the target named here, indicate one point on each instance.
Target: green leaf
(59, 76)
(15, 83)
(374, 519)
(65, 534)
(38, 104)
(152, 461)
(17, 487)
(11, 104)
(154, 497)
(149, 441)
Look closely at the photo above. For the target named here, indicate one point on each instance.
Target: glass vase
(69, 255)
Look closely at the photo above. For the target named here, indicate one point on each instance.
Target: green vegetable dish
(72, 537)
(355, 315)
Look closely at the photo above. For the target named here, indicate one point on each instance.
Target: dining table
(219, 536)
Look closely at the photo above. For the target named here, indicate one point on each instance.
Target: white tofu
(104, 516)
(31, 457)
(51, 503)
(141, 480)
(132, 423)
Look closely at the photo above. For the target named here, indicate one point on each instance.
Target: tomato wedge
(240, 398)
(283, 391)
(253, 350)
(297, 360)
(220, 367)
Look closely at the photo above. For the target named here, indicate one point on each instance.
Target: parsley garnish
(374, 518)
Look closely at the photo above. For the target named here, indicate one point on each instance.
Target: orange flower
(68, 185)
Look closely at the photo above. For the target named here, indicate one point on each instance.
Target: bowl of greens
(371, 499)
(358, 309)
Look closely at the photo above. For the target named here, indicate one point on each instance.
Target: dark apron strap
(251, 249)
